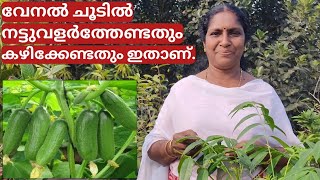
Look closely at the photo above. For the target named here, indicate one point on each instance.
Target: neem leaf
(264, 110)
(272, 165)
(270, 121)
(247, 129)
(192, 145)
(303, 159)
(311, 175)
(253, 140)
(285, 145)
(186, 169)
(245, 161)
(187, 139)
(242, 106)
(316, 151)
(280, 130)
(230, 142)
(182, 158)
(214, 137)
(318, 172)
(203, 174)
(209, 159)
(244, 119)
(258, 159)
(297, 173)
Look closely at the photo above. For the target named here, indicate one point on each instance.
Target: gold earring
(204, 50)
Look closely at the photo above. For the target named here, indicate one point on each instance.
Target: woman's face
(224, 41)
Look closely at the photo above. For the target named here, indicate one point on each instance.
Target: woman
(199, 105)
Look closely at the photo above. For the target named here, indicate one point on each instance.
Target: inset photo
(69, 129)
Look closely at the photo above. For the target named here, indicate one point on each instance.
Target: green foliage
(17, 169)
(301, 161)
(309, 120)
(51, 94)
(27, 71)
(97, 72)
(109, 72)
(68, 72)
(157, 11)
(291, 63)
(151, 91)
(51, 71)
(8, 71)
(186, 168)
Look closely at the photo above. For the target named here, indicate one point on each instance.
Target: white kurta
(193, 103)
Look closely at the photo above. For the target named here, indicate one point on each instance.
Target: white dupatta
(193, 103)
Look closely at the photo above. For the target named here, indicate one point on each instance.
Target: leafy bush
(302, 163)
(291, 64)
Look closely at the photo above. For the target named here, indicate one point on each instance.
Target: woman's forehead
(224, 20)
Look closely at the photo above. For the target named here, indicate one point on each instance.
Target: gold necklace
(240, 79)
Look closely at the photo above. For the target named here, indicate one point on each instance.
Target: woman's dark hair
(242, 18)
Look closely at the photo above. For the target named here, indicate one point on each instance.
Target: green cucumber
(57, 132)
(70, 96)
(17, 124)
(38, 128)
(106, 136)
(87, 135)
(80, 97)
(119, 110)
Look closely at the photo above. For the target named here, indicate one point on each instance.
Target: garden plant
(303, 161)
(66, 129)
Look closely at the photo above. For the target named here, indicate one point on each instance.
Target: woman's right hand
(167, 151)
(178, 147)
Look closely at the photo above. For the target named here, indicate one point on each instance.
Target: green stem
(88, 105)
(207, 144)
(271, 160)
(200, 167)
(41, 86)
(267, 141)
(287, 166)
(83, 166)
(98, 103)
(101, 88)
(230, 175)
(43, 98)
(125, 145)
(124, 84)
(29, 97)
(71, 160)
(75, 87)
(59, 92)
